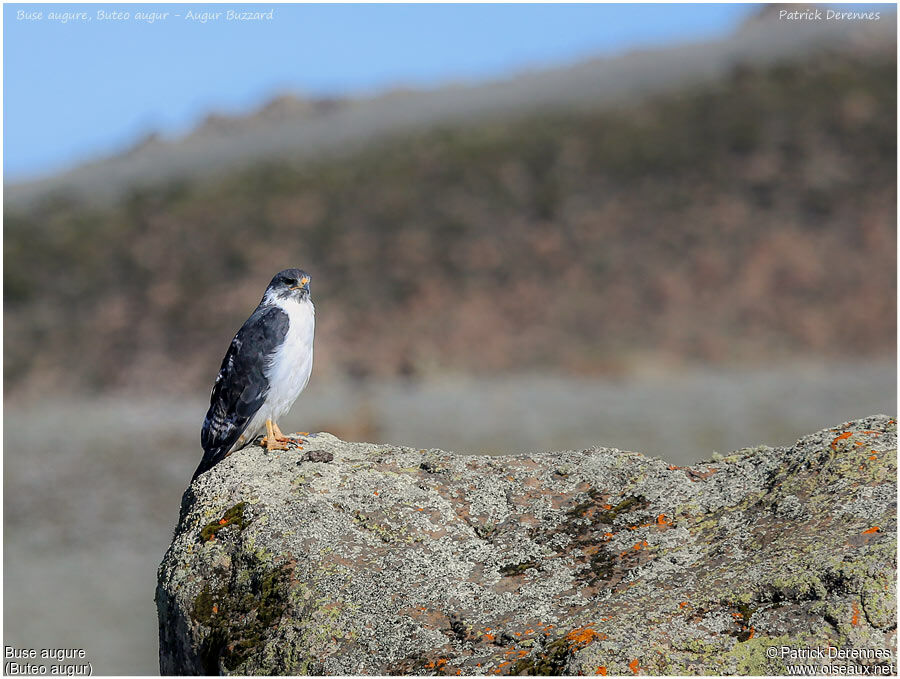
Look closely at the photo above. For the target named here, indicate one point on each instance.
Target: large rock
(388, 560)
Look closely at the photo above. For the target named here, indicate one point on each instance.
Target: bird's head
(289, 284)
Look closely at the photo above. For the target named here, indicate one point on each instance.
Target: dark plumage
(241, 386)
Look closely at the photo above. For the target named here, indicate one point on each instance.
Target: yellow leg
(270, 440)
(279, 435)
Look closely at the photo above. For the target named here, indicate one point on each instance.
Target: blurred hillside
(746, 220)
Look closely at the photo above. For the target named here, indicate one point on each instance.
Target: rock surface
(389, 560)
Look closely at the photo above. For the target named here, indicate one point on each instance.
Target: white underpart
(289, 369)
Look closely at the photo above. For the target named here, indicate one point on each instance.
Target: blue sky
(81, 89)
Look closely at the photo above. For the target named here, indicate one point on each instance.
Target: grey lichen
(394, 560)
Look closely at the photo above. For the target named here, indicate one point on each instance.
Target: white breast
(290, 367)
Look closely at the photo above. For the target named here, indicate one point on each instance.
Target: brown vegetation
(746, 221)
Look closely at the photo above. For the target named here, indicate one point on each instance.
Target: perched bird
(266, 367)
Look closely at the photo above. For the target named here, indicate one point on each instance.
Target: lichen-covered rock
(375, 559)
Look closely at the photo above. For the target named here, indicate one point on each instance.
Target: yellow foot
(272, 444)
(270, 440)
(284, 438)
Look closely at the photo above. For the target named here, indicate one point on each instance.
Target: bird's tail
(211, 458)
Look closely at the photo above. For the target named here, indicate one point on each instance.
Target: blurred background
(668, 229)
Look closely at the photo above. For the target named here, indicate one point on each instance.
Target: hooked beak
(304, 284)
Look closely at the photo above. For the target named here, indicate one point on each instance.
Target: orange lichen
(845, 435)
(601, 671)
(752, 632)
(661, 520)
(873, 457)
(873, 529)
(636, 546)
(215, 608)
(633, 666)
(695, 475)
(582, 636)
(222, 522)
(529, 631)
(683, 604)
(855, 619)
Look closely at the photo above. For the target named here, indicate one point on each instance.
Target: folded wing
(241, 386)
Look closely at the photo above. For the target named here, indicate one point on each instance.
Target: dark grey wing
(241, 386)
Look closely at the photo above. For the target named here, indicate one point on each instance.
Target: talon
(270, 440)
(272, 444)
(281, 436)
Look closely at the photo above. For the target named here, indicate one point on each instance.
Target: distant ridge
(746, 220)
(291, 127)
